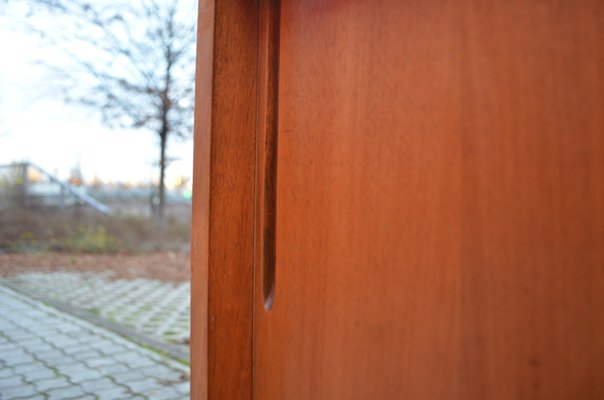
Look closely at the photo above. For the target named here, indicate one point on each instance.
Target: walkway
(48, 354)
(153, 309)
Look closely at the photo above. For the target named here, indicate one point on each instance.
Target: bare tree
(133, 61)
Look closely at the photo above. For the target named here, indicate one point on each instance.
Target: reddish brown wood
(439, 228)
(266, 152)
(440, 202)
(223, 209)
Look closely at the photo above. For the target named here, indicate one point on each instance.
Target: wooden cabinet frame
(223, 208)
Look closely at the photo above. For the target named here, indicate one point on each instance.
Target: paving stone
(75, 348)
(50, 335)
(88, 354)
(101, 360)
(82, 371)
(39, 374)
(143, 385)
(161, 372)
(34, 397)
(16, 350)
(25, 368)
(54, 358)
(15, 333)
(97, 384)
(7, 346)
(113, 369)
(10, 381)
(61, 341)
(36, 348)
(108, 348)
(65, 393)
(114, 393)
(71, 328)
(84, 376)
(129, 377)
(163, 393)
(183, 387)
(69, 368)
(52, 383)
(153, 307)
(16, 392)
(67, 364)
(6, 372)
(134, 359)
(16, 358)
(31, 342)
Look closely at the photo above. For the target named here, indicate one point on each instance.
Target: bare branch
(131, 61)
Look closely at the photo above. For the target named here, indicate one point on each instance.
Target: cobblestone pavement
(158, 309)
(48, 354)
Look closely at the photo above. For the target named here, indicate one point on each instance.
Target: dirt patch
(166, 266)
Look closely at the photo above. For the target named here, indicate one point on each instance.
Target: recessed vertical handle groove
(268, 125)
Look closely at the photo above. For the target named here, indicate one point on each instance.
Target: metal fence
(28, 185)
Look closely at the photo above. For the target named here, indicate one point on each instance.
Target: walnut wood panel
(439, 202)
(223, 202)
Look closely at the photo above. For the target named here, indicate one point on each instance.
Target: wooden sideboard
(399, 200)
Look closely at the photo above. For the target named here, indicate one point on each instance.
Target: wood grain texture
(440, 202)
(223, 206)
(266, 152)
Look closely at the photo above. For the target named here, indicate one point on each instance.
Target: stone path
(48, 354)
(158, 309)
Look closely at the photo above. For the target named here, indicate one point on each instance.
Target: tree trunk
(163, 134)
(162, 175)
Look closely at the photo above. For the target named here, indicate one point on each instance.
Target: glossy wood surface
(439, 200)
(266, 149)
(439, 203)
(223, 207)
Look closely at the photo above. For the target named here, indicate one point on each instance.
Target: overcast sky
(40, 128)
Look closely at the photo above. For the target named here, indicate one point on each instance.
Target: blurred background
(96, 117)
